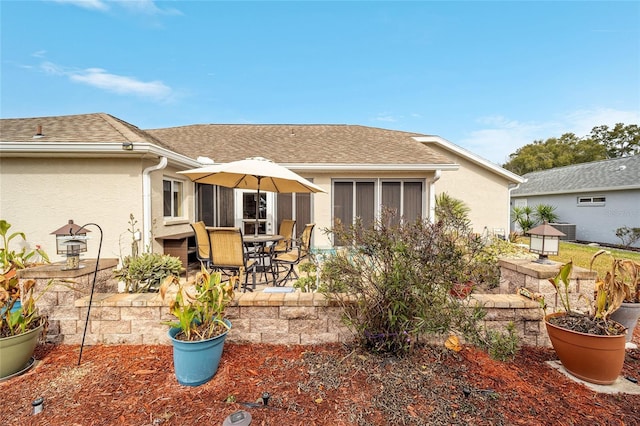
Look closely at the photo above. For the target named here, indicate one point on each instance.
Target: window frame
(591, 200)
(377, 195)
(177, 212)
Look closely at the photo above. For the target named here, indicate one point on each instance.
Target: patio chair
(286, 244)
(293, 258)
(228, 254)
(203, 247)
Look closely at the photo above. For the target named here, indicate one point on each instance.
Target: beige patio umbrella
(253, 173)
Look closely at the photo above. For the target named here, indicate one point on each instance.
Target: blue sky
(488, 76)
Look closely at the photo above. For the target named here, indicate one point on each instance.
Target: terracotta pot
(627, 315)
(462, 290)
(592, 358)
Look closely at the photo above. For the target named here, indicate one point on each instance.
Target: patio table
(259, 243)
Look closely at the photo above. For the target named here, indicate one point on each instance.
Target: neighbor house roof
(607, 175)
(322, 145)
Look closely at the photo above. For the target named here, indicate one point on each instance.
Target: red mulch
(320, 385)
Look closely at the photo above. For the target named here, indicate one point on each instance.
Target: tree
(603, 142)
(555, 152)
(621, 141)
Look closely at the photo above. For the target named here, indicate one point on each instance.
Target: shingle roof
(83, 128)
(618, 173)
(314, 144)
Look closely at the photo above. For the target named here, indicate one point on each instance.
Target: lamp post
(545, 241)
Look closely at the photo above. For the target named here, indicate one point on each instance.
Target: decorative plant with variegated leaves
(199, 305)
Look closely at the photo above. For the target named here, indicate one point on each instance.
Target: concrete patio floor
(621, 385)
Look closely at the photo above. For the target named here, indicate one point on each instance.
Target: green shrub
(401, 276)
(503, 346)
(628, 236)
(145, 272)
(307, 282)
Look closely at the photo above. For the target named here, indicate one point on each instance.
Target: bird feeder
(71, 240)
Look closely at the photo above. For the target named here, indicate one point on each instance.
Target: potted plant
(200, 328)
(625, 274)
(20, 322)
(590, 345)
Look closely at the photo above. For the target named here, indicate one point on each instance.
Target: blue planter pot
(195, 363)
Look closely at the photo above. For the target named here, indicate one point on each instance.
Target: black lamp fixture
(545, 241)
(71, 240)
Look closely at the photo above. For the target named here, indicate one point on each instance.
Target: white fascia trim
(577, 191)
(470, 156)
(102, 148)
(330, 167)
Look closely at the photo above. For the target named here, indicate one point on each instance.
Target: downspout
(508, 228)
(432, 195)
(146, 202)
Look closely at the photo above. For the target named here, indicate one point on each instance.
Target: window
(405, 198)
(295, 206)
(358, 200)
(592, 201)
(172, 194)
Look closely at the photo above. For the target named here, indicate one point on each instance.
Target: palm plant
(545, 213)
(523, 217)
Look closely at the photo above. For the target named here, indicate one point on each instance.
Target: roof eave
(369, 167)
(471, 157)
(101, 149)
(576, 191)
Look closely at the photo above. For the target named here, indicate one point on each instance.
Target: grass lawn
(581, 255)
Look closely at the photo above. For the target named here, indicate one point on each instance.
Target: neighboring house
(97, 168)
(597, 197)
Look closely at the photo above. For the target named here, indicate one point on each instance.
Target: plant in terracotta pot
(200, 328)
(590, 345)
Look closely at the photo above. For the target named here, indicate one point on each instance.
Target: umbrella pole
(258, 208)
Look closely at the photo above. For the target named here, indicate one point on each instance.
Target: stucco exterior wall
(597, 223)
(321, 205)
(159, 225)
(483, 191)
(40, 195)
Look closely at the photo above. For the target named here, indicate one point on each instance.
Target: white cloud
(146, 7)
(141, 7)
(385, 117)
(498, 136)
(87, 4)
(122, 85)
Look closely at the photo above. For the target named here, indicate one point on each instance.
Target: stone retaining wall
(278, 318)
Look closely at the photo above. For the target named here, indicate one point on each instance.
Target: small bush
(628, 236)
(503, 346)
(308, 282)
(147, 271)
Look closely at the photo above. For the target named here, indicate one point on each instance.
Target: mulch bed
(310, 385)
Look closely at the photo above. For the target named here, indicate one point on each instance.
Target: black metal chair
(292, 258)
